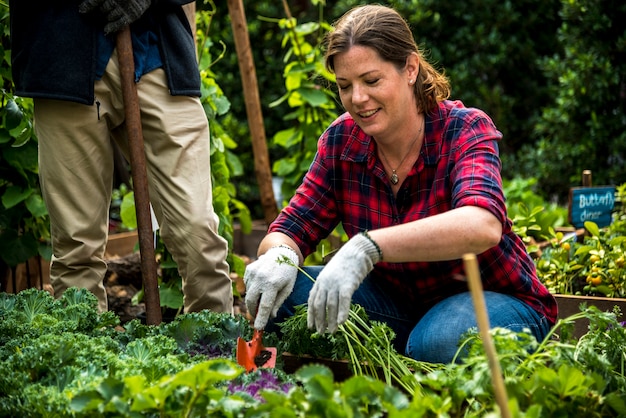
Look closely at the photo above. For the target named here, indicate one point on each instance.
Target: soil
(123, 280)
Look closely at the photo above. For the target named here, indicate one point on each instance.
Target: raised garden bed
(570, 305)
(340, 368)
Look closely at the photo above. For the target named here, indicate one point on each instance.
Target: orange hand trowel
(253, 355)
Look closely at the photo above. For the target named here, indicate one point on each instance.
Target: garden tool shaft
(476, 289)
(139, 176)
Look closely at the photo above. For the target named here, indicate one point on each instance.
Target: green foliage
(57, 355)
(524, 68)
(151, 371)
(299, 339)
(313, 105)
(489, 50)
(619, 210)
(24, 223)
(265, 48)
(555, 377)
(34, 313)
(170, 283)
(534, 219)
(208, 333)
(366, 344)
(224, 163)
(594, 267)
(583, 127)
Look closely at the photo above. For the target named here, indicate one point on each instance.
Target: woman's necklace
(394, 175)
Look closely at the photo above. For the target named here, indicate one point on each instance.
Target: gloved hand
(330, 298)
(118, 13)
(269, 280)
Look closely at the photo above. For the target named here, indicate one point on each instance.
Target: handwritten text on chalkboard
(593, 204)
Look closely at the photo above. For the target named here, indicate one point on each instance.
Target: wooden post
(587, 178)
(476, 288)
(253, 109)
(587, 182)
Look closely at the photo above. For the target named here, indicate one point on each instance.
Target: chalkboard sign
(593, 204)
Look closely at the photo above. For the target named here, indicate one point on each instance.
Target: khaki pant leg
(75, 167)
(177, 143)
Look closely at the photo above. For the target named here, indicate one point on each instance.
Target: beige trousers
(76, 172)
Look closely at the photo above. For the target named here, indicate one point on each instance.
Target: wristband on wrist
(288, 248)
(366, 235)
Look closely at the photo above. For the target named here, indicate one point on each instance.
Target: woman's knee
(438, 335)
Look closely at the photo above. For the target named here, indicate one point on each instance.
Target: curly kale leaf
(207, 333)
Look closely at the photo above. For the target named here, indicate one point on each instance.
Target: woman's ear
(412, 66)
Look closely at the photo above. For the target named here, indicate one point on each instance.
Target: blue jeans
(431, 335)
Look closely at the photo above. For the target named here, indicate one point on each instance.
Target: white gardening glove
(330, 298)
(269, 280)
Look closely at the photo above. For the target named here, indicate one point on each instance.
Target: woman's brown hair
(385, 31)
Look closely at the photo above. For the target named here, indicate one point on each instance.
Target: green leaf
(22, 136)
(285, 137)
(15, 195)
(5, 137)
(593, 229)
(571, 382)
(86, 401)
(110, 388)
(318, 380)
(604, 289)
(36, 205)
(315, 97)
(23, 158)
(14, 115)
(204, 374)
(617, 402)
(222, 104)
(170, 297)
(293, 81)
(16, 249)
(127, 211)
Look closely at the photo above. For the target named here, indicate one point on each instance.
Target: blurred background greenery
(551, 74)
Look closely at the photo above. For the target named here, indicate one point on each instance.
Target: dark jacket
(53, 48)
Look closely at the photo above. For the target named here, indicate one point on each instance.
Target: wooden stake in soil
(140, 178)
(253, 109)
(476, 289)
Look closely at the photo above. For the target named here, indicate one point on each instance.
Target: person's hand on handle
(330, 298)
(269, 280)
(118, 13)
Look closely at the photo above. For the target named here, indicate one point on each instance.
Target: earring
(411, 82)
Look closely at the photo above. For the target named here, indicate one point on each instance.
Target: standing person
(414, 178)
(63, 55)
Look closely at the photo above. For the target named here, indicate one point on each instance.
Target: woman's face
(379, 97)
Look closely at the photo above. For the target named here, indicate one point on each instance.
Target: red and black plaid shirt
(458, 166)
